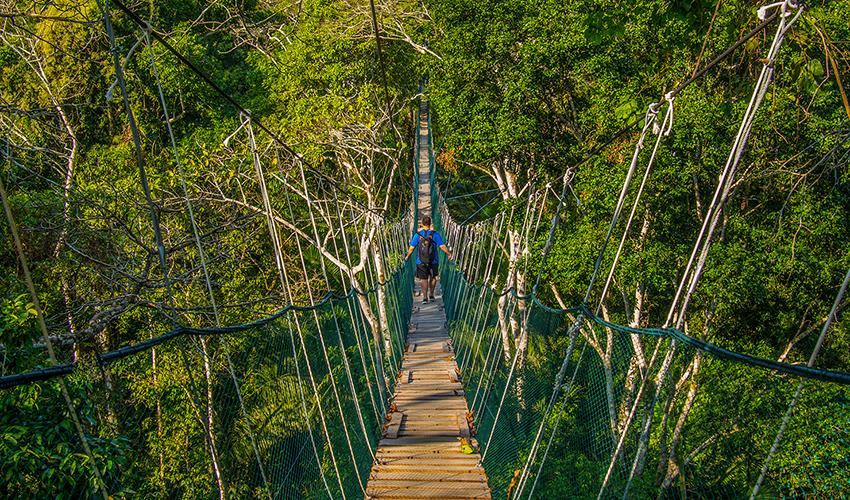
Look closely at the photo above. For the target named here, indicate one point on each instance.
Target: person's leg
(434, 273)
(422, 274)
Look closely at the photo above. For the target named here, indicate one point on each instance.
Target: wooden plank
(392, 428)
(426, 453)
(430, 476)
(438, 489)
(446, 489)
(429, 466)
(432, 493)
(429, 461)
(421, 456)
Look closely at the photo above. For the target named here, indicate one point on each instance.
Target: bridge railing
(289, 406)
(699, 420)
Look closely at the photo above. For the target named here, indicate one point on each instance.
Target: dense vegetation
(526, 90)
(521, 92)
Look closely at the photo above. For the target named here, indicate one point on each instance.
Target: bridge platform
(428, 449)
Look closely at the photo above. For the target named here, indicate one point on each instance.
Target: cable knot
(785, 6)
(651, 117)
(653, 109)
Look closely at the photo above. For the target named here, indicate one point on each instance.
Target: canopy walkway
(427, 450)
(486, 392)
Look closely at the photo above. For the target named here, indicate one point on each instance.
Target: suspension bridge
(486, 392)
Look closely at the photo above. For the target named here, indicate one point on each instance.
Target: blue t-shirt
(438, 241)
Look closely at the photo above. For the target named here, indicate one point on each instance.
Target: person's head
(426, 221)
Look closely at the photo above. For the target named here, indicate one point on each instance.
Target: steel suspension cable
(153, 210)
(203, 259)
(230, 100)
(324, 349)
(284, 279)
(706, 232)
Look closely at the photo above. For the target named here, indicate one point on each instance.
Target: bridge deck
(426, 452)
(422, 454)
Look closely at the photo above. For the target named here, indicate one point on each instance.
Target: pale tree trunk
(374, 327)
(606, 357)
(383, 318)
(513, 321)
(504, 327)
(629, 388)
(640, 359)
(674, 467)
(67, 184)
(509, 323)
(663, 450)
(210, 420)
(637, 363)
(667, 414)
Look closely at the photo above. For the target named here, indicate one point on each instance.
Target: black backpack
(427, 249)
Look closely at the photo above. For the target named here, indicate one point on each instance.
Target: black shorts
(425, 271)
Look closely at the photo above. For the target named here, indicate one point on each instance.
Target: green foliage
(530, 85)
(40, 451)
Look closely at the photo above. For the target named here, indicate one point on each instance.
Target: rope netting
(705, 429)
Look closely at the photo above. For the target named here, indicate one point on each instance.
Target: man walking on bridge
(427, 240)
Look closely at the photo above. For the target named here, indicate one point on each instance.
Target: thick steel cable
(324, 349)
(650, 120)
(378, 379)
(284, 278)
(779, 434)
(666, 126)
(381, 61)
(351, 384)
(242, 110)
(203, 259)
(153, 209)
(705, 237)
(306, 413)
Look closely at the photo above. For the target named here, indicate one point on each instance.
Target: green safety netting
(279, 425)
(684, 418)
(703, 428)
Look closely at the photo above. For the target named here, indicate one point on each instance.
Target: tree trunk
(504, 328)
(383, 318)
(210, 421)
(673, 463)
(374, 327)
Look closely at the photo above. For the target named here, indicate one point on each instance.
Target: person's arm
(448, 252)
(413, 242)
(438, 239)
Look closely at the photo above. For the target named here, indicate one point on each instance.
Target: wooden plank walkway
(427, 450)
